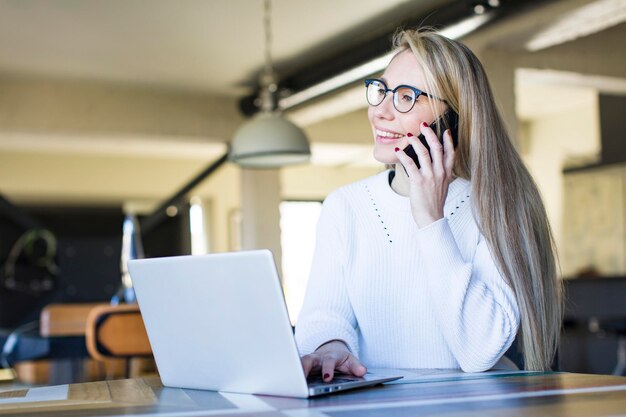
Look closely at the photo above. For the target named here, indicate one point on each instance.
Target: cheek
(411, 123)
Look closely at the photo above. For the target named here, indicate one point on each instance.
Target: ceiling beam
(64, 107)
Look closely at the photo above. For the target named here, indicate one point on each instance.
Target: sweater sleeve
(327, 313)
(476, 309)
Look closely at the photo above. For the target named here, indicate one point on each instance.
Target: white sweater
(404, 297)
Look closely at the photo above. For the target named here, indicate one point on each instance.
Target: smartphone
(448, 120)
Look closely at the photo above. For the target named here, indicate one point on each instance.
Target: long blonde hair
(507, 204)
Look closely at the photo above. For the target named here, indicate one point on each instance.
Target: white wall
(562, 126)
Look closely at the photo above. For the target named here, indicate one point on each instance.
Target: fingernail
(424, 124)
(397, 149)
(326, 376)
(409, 134)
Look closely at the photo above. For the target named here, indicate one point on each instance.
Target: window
(298, 221)
(199, 244)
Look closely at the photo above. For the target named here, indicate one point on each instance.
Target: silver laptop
(219, 322)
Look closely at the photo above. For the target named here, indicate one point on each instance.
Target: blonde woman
(440, 266)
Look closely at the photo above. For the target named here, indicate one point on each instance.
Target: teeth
(388, 134)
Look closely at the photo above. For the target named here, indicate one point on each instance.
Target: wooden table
(545, 394)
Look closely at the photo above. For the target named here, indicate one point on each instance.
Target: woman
(440, 266)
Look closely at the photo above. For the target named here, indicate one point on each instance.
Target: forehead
(404, 69)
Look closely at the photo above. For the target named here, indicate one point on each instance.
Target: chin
(385, 156)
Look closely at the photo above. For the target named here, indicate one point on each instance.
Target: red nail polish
(410, 134)
(424, 124)
(326, 376)
(397, 149)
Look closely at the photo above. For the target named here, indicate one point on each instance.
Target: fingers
(348, 365)
(423, 155)
(331, 356)
(309, 362)
(439, 159)
(436, 148)
(409, 165)
(355, 367)
(449, 153)
(329, 362)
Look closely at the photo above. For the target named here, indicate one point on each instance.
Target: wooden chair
(65, 325)
(118, 332)
(63, 320)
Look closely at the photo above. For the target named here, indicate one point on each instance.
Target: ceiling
(215, 47)
(172, 57)
(211, 46)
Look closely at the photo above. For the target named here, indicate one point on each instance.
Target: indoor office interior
(117, 129)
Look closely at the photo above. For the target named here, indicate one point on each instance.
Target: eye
(405, 95)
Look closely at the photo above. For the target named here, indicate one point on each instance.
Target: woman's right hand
(330, 357)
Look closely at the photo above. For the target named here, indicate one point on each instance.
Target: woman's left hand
(428, 185)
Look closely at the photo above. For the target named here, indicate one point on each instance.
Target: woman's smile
(386, 137)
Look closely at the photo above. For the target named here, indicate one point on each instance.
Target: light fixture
(375, 65)
(480, 9)
(269, 140)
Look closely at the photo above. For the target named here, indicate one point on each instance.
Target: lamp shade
(269, 141)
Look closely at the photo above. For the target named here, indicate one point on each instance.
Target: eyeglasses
(404, 96)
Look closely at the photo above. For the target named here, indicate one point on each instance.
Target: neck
(400, 182)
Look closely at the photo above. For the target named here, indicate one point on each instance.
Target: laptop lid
(220, 322)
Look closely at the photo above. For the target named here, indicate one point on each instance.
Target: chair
(615, 327)
(515, 355)
(117, 332)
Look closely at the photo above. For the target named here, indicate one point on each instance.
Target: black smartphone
(448, 120)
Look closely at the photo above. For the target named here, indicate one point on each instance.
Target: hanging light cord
(267, 25)
(268, 79)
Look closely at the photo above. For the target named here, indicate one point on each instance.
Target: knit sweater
(404, 297)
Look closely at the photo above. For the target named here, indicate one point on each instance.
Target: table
(538, 394)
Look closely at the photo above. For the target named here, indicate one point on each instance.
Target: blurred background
(116, 110)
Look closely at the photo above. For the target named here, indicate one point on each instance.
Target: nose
(385, 109)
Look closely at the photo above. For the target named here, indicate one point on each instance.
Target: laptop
(219, 322)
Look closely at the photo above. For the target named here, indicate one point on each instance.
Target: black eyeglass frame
(417, 92)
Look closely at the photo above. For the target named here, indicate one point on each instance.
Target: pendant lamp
(269, 140)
